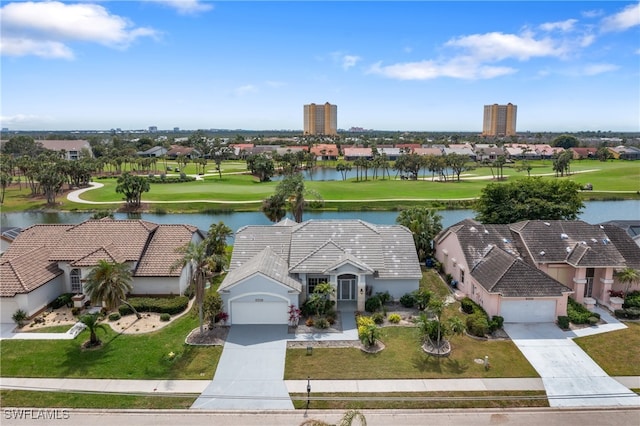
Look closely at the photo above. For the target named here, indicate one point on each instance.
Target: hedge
(628, 313)
(632, 300)
(578, 314)
(168, 305)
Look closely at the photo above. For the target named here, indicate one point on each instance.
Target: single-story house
(580, 153)
(154, 151)
(45, 261)
(542, 262)
(325, 151)
(485, 151)
(353, 153)
(187, 151)
(274, 267)
(625, 152)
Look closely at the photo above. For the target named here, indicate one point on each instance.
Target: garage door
(259, 313)
(528, 310)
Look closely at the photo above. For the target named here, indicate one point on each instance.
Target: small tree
(434, 331)
(109, 283)
(627, 277)
(132, 188)
(212, 306)
(319, 298)
(368, 331)
(19, 317)
(93, 324)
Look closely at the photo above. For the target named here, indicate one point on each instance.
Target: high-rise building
(499, 120)
(321, 119)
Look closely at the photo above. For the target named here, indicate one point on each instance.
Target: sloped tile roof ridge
(326, 243)
(498, 252)
(351, 258)
(286, 222)
(111, 251)
(14, 270)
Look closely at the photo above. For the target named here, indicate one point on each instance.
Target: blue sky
(429, 65)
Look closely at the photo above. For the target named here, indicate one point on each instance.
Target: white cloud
(271, 83)
(462, 68)
(563, 26)
(592, 13)
(47, 26)
(595, 69)
(20, 120)
(627, 18)
(10, 46)
(349, 61)
(186, 7)
(498, 46)
(246, 89)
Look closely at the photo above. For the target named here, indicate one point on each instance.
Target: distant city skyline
(397, 66)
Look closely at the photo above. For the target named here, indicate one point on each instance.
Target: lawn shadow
(445, 366)
(79, 362)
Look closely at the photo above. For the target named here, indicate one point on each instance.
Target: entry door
(347, 289)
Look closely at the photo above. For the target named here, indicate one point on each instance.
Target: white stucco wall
(34, 301)
(396, 288)
(157, 285)
(8, 306)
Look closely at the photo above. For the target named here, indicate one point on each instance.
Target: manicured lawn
(52, 329)
(120, 357)
(421, 400)
(617, 352)
(245, 192)
(403, 358)
(19, 398)
(431, 281)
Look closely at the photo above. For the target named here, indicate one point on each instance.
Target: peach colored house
(488, 267)
(552, 258)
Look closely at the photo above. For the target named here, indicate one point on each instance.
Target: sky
(407, 66)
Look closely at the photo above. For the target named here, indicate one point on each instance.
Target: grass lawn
(52, 329)
(244, 192)
(120, 357)
(617, 352)
(421, 400)
(31, 399)
(403, 358)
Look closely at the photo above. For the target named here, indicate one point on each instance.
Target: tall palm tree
(216, 244)
(109, 283)
(628, 276)
(201, 266)
(274, 208)
(91, 321)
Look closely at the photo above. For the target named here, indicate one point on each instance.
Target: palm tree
(435, 330)
(274, 208)
(216, 244)
(91, 321)
(628, 276)
(109, 283)
(201, 266)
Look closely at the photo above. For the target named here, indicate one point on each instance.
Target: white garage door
(528, 310)
(259, 313)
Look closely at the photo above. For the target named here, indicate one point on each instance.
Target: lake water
(594, 212)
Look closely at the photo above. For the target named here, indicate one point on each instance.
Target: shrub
(496, 323)
(593, 320)
(384, 297)
(165, 317)
(368, 331)
(75, 311)
(563, 322)
(394, 318)
(307, 309)
(62, 300)
(322, 323)
(408, 300)
(578, 314)
(466, 305)
(632, 300)
(372, 304)
(378, 318)
(169, 305)
(190, 291)
(629, 313)
(331, 319)
(422, 297)
(309, 322)
(19, 317)
(114, 316)
(477, 325)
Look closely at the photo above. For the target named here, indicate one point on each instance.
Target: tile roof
(26, 272)
(564, 241)
(32, 259)
(266, 262)
(500, 272)
(315, 245)
(625, 244)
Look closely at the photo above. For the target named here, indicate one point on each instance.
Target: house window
(76, 285)
(462, 276)
(312, 282)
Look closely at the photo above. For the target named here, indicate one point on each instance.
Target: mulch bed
(215, 336)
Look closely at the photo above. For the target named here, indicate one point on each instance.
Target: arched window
(76, 285)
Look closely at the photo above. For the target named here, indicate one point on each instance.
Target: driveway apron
(250, 372)
(570, 377)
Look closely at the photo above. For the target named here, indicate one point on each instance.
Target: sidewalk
(294, 386)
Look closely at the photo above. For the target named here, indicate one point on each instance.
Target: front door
(347, 288)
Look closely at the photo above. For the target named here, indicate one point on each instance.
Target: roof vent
(506, 240)
(568, 249)
(472, 229)
(486, 231)
(593, 240)
(547, 223)
(606, 241)
(564, 236)
(542, 253)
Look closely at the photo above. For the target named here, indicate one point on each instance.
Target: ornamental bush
(466, 305)
(114, 316)
(165, 317)
(563, 322)
(169, 305)
(373, 304)
(477, 324)
(407, 300)
(578, 314)
(322, 323)
(632, 300)
(394, 318)
(378, 317)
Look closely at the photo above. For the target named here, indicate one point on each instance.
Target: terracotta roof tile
(163, 251)
(26, 272)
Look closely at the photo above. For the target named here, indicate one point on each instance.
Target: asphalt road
(520, 417)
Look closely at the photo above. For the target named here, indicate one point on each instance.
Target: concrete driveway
(250, 372)
(570, 377)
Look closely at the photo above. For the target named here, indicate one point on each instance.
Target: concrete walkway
(571, 378)
(7, 333)
(250, 371)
